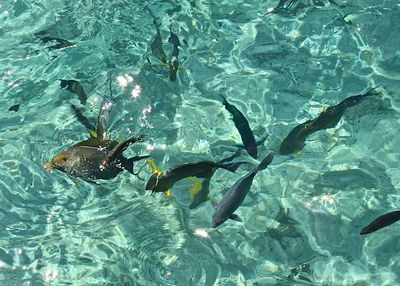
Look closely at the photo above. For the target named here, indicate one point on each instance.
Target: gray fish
(232, 200)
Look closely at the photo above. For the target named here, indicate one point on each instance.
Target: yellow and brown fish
(295, 141)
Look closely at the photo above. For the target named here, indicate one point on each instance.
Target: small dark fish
(97, 157)
(242, 125)
(157, 45)
(232, 200)
(14, 108)
(174, 62)
(295, 141)
(381, 222)
(174, 40)
(60, 43)
(76, 88)
(157, 48)
(288, 7)
(162, 182)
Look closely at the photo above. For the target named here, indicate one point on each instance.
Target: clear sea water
(302, 217)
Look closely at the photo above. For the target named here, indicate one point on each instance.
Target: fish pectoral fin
(236, 218)
(168, 193)
(297, 153)
(262, 140)
(195, 187)
(199, 191)
(92, 133)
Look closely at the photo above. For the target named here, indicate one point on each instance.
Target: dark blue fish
(381, 222)
(242, 125)
(295, 141)
(232, 200)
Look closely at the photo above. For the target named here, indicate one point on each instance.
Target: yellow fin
(297, 153)
(156, 170)
(93, 133)
(196, 186)
(153, 167)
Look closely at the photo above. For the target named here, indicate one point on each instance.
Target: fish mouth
(214, 224)
(48, 166)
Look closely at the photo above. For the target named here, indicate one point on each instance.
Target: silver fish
(232, 200)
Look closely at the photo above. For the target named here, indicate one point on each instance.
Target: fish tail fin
(63, 83)
(128, 163)
(373, 91)
(264, 163)
(231, 166)
(224, 101)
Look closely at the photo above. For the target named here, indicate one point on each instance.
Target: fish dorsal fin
(104, 113)
(118, 149)
(236, 218)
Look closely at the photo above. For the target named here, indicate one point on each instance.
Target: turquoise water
(303, 214)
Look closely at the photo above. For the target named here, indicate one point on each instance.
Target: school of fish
(101, 158)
